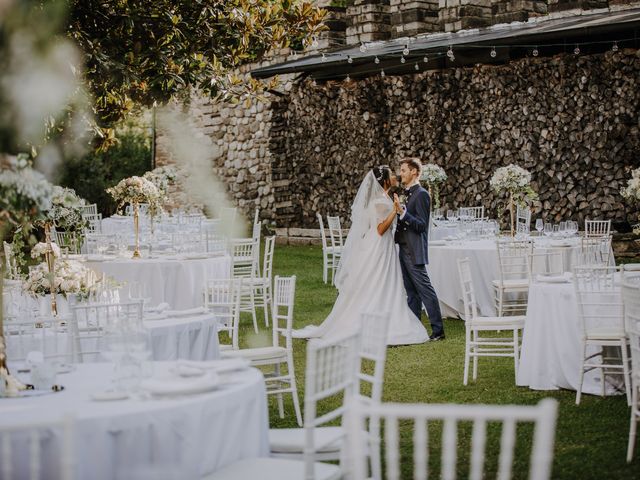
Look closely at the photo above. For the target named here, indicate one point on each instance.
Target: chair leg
(633, 425)
(515, 352)
(294, 388)
(625, 369)
(279, 396)
(579, 391)
(325, 266)
(467, 353)
(253, 310)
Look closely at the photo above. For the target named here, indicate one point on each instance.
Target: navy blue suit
(412, 237)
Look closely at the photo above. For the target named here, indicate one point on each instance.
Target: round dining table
(191, 434)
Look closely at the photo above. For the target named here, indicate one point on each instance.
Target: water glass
(539, 225)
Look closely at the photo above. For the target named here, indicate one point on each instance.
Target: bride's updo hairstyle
(382, 174)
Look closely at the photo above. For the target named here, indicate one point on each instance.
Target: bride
(369, 278)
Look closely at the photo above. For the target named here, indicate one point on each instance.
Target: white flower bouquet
(162, 177)
(70, 277)
(66, 210)
(433, 175)
(40, 250)
(137, 190)
(516, 182)
(632, 192)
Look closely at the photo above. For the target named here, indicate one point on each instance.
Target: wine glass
(548, 229)
(539, 226)
(450, 215)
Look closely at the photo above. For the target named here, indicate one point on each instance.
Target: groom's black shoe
(438, 338)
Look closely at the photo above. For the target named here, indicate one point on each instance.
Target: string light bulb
(314, 43)
(376, 60)
(348, 79)
(535, 52)
(402, 59)
(417, 67)
(405, 51)
(349, 59)
(382, 74)
(450, 52)
(615, 47)
(363, 48)
(425, 59)
(576, 50)
(493, 52)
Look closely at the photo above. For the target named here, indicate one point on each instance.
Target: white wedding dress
(369, 278)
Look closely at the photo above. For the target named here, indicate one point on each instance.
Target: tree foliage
(143, 52)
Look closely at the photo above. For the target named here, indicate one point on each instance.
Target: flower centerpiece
(632, 192)
(162, 177)
(516, 182)
(66, 210)
(136, 190)
(69, 278)
(433, 176)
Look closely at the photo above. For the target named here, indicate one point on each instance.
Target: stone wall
(573, 121)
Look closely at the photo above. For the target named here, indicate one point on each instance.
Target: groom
(412, 238)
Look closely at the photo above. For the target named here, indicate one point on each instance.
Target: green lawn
(591, 438)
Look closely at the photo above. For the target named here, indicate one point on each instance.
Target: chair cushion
(291, 440)
(255, 354)
(273, 469)
(512, 283)
(496, 322)
(605, 333)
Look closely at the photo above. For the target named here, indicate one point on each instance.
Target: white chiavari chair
(215, 244)
(330, 255)
(597, 228)
(243, 261)
(512, 287)
(89, 320)
(602, 325)
(545, 262)
(69, 240)
(44, 334)
(330, 373)
(631, 304)
(40, 449)
(257, 236)
(471, 213)
(278, 355)
(523, 219)
(372, 353)
(262, 290)
(94, 222)
(222, 299)
(91, 209)
(423, 420)
(594, 251)
(475, 344)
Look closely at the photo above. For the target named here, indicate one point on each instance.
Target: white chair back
(94, 222)
(243, 256)
(68, 240)
(594, 250)
(373, 347)
(214, 243)
(513, 259)
(523, 219)
(597, 228)
(91, 209)
(323, 236)
(599, 300)
(468, 293)
(37, 450)
(545, 262)
(222, 299)
(330, 372)
(284, 293)
(424, 417)
(47, 336)
(471, 213)
(335, 231)
(267, 265)
(89, 321)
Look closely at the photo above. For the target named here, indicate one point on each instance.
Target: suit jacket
(413, 229)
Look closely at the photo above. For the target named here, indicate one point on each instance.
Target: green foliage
(92, 174)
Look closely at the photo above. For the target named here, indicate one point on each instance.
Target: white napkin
(220, 366)
(186, 313)
(176, 385)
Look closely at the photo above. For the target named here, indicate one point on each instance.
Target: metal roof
(590, 30)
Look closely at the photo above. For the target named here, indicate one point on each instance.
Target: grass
(591, 439)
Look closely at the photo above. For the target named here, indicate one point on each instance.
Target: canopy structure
(587, 32)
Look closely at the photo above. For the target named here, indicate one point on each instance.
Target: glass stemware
(539, 226)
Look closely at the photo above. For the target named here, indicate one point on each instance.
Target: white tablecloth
(204, 431)
(551, 349)
(178, 282)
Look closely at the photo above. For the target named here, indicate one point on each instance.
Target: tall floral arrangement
(66, 210)
(433, 176)
(137, 190)
(70, 278)
(515, 182)
(162, 177)
(632, 192)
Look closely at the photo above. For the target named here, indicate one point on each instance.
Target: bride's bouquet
(515, 181)
(433, 176)
(632, 192)
(137, 190)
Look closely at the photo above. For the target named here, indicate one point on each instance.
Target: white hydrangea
(433, 174)
(23, 189)
(137, 190)
(632, 190)
(40, 249)
(511, 178)
(71, 277)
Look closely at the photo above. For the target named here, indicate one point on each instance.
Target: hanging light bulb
(314, 43)
(450, 52)
(405, 51)
(615, 46)
(417, 67)
(402, 59)
(452, 58)
(425, 59)
(376, 60)
(535, 52)
(382, 74)
(314, 83)
(363, 47)
(493, 52)
(349, 59)
(576, 50)
(324, 57)
(348, 79)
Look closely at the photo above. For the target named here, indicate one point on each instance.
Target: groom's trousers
(420, 291)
